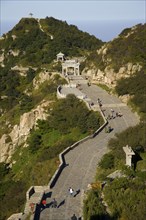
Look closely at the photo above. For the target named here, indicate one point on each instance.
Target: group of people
(53, 203)
(99, 102)
(114, 114)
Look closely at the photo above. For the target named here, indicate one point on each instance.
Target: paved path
(82, 161)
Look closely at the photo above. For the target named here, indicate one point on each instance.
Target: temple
(60, 57)
(70, 67)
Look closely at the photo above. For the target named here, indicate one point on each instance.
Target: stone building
(70, 67)
(60, 57)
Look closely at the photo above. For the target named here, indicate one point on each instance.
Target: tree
(30, 14)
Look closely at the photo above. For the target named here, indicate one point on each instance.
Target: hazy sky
(73, 11)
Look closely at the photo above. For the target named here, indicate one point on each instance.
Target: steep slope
(119, 58)
(37, 41)
(28, 83)
(27, 53)
(121, 64)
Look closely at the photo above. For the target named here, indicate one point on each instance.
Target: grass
(27, 165)
(51, 138)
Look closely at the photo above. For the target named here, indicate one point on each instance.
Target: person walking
(74, 217)
(112, 113)
(71, 191)
(54, 203)
(44, 203)
(32, 207)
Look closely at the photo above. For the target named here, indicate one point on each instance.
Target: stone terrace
(83, 160)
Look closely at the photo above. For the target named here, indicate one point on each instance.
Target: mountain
(119, 58)
(29, 76)
(28, 53)
(120, 65)
(38, 41)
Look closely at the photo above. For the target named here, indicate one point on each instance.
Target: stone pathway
(83, 160)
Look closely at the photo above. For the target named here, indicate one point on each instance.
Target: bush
(107, 162)
(4, 169)
(93, 208)
(12, 197)
(34, 142)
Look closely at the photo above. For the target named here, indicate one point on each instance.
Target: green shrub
(12, 197)
(4, 169)
(107, 162)
(93, 208)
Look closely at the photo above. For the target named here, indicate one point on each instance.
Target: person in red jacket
(44, 203)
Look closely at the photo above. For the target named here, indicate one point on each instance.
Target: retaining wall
(62, 165)
(61, 155)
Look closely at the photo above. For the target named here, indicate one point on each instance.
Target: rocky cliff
(105, 63)
(20, 132)
(123, 57)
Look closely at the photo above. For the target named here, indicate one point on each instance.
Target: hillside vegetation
(128, 47)
(36, 46)
(30, 40)
(124, 196)
(64, 126)
(135, 87)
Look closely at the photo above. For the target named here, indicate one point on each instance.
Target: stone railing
(34, 196)
(70, 85)
(62, 154)
(30, 192)
(41, 189)
(61, 95)
(62, 160)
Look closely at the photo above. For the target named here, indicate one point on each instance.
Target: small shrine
(129, 153)
(60, 57)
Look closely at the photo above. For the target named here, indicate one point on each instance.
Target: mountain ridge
(29, 76)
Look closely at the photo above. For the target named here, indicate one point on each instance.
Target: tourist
(44, 203)
(74, 217)
(32, 206)
(71, 191)
(54, 203)
(112, 113)
(119, 114)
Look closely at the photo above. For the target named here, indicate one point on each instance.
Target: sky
(105, 19)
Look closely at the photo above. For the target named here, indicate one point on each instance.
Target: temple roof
(60, 54)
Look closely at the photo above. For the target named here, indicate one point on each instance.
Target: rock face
(22, 70)
(20, 132)
(42, 77)
(109, 76)
(118, 58)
